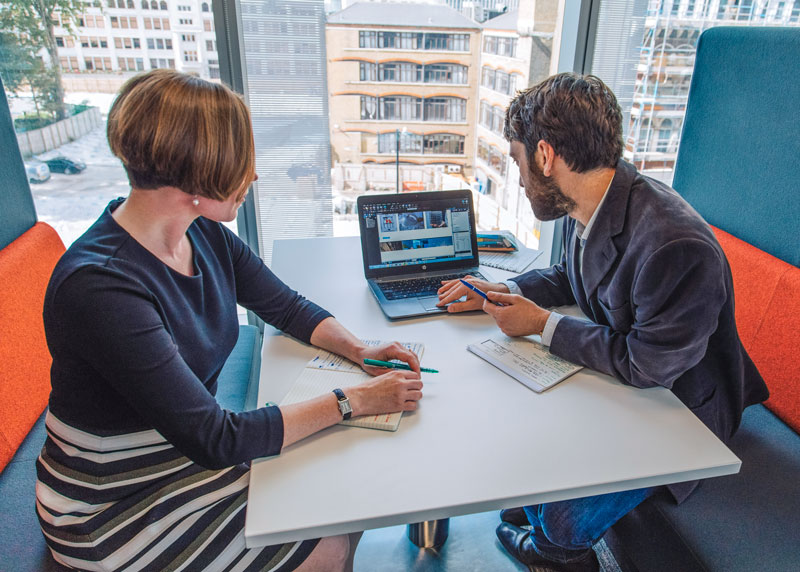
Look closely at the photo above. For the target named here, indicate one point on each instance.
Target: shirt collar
(583, 232)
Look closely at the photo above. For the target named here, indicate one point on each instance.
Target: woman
(141, 468)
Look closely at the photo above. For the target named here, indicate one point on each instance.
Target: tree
(32, 22)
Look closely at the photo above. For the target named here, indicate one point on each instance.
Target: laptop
(411, 242)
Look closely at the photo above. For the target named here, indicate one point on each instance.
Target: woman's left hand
(388, 352)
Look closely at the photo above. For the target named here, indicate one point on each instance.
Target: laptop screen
(417, 232)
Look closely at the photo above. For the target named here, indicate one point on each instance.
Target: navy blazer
(658, 291)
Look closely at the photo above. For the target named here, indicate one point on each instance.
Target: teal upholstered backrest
(17, 213)
(739, 157)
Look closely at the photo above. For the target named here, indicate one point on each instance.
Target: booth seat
(25, 268)
(748, 521)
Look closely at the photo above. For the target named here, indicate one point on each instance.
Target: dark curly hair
(577, 114)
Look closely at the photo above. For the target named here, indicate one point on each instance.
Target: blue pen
(479, 292)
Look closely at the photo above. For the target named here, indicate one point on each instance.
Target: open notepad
(526, 360)
(327, 371)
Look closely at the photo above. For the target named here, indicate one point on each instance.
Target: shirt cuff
(550, 327)
(513, 287)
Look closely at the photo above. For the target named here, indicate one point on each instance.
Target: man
(643, 267)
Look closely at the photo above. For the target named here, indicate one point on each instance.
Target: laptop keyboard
(418, 287)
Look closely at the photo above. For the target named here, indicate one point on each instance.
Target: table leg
(429, 534)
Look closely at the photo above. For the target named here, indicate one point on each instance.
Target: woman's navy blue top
(137, 345)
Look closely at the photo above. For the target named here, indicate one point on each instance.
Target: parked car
(37, 171)
(64, 165)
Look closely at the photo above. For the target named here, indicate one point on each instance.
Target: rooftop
(405, 14)
(507, 21)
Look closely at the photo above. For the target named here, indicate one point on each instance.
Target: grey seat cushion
(747, 521)
(22, 546)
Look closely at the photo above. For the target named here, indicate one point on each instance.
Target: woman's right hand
(396, 390)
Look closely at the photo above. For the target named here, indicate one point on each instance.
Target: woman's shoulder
(95, 254)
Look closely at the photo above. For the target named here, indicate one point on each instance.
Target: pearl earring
(196, 202)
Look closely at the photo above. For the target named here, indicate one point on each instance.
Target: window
(211, 46)
(492, 156)
(188, 37)
(410, 143)
(664, 136)
(369, 107)
(445, 109)
(487, 77)
(501, 46)
(185, 21)
(449, 42)
(400, 108)
(444, 144)
(413, 40)
(367, 39)
(446, 73)
(406, 72)
(368, 71)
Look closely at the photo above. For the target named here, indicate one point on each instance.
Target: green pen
(393, 365)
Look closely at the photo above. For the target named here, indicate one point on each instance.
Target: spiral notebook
(326, 371)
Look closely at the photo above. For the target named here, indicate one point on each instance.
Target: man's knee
(568, 538)
(567, 531)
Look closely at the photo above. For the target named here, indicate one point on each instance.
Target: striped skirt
(133, 502)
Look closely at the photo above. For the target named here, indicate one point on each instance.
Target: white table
(479, 441)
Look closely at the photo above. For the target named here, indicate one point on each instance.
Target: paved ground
(71, 203)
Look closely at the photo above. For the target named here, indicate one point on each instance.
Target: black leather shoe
(515, 516)
(518, 543)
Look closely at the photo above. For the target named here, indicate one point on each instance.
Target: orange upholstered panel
(776, 348)
(755, 278)
(25, 268)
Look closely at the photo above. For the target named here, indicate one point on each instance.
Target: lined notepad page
(326, 371)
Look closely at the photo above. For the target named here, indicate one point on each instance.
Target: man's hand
(452, 290)
(518, 316)
(387, 352)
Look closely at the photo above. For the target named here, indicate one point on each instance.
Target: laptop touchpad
(429, 303)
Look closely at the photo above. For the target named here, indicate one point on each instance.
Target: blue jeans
(565, 531)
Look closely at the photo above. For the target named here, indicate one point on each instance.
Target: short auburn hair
(577, 114)
(177, 130)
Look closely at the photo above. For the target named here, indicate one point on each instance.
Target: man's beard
(548, 202)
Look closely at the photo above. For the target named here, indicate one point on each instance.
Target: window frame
(576, 42)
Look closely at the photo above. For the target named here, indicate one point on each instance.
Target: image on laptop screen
(415, 232)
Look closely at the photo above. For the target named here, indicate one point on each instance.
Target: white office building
(122, 37)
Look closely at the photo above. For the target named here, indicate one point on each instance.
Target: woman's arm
(393, 391)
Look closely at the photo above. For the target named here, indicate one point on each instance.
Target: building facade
(402, 80)
(516, 52)
(118, 38)
(672, 28)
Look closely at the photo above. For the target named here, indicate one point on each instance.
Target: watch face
(344, 407)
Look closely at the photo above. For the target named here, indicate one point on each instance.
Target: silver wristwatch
(344, 404)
